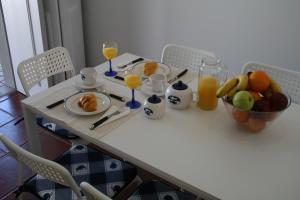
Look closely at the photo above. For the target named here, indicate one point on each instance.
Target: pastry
(88, 102)
(150, 68)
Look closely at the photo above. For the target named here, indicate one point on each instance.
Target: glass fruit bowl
(253, 121)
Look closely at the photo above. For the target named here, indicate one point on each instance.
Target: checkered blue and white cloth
(85, 164)
(54, 128)
(156, 190)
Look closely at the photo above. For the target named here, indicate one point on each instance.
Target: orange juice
(132, 81)
(207, 88)
(110, 52)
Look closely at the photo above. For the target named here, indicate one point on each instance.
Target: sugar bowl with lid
(179, 95)
(154, 107)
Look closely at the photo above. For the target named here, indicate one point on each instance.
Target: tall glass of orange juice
(211, 74)
(132, 81)
(110, 51)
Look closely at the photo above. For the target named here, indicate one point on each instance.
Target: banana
(275, 87)
(226, 87)
(242, 85)
(268, 93)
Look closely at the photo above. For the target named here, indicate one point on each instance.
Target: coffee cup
(88, 76)
(157, 82)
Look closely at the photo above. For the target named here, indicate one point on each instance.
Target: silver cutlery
(119, 78)
(130, 63)
(57, 103)
(178, 76)
(104, 119)
(114, 96)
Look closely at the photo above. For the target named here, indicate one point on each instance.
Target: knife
(104, 119)
(130, 63)
(117, 97)
(119, 78)
(60, 101)
(178, 76)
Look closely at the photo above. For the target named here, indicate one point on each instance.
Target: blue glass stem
(133, 100)
(110, 67)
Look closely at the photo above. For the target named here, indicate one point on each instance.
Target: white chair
(51, 62)
(60, 179)
(46, 168)
(92, 193)
(183, 57)
(288, 79)
(33, 70)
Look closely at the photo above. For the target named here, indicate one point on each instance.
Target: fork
(132, 62)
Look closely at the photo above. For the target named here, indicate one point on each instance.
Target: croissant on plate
(88, 102)
(150, 68)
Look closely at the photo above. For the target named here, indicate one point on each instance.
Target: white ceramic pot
(154, 107)
(179, 95)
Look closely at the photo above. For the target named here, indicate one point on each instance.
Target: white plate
(147, 90)
(161, 69)
(103, 103)
(78, 83)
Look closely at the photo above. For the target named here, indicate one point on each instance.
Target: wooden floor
(10, 113)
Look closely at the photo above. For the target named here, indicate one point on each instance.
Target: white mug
(157, 82)
(88, 76)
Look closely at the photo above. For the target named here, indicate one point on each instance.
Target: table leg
(32, 130)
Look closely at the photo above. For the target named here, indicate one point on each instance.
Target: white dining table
(200, 151)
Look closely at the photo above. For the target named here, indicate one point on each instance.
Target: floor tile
(5, 117)
(16, 133)
(12, 105)
(4, 91)
(8, 180)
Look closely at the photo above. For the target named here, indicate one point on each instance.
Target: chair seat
(84, 163)
(56, 129)
(156, 190)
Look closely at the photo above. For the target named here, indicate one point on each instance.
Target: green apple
(243, 100)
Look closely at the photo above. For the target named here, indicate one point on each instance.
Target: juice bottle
(207, 88)
(211, 74)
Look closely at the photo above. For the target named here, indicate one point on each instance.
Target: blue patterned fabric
(156, 190)
(84, 163)
(54, 128)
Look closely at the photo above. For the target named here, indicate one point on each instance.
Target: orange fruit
(259, 81)
(255, 95)
(240, 116)
(256, 125)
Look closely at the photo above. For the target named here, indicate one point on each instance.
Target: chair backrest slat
(92, 193)
(39, 67)
(183, 57)
(46, 168)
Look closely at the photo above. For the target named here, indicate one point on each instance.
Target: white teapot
(179, 95)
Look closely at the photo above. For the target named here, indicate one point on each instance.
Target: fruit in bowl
(253, 100)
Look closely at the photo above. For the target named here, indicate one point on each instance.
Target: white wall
(236, 30)
(23, 42)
